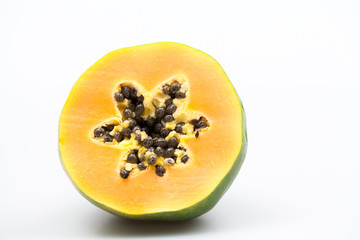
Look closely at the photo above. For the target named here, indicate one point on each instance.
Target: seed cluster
(158, 144)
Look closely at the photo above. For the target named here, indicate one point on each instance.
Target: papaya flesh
(153, 132)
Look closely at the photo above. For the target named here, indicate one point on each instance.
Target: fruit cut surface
(170, 189)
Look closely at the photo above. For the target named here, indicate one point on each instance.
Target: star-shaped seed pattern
(151, 125)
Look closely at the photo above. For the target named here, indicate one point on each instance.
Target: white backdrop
(295, 64)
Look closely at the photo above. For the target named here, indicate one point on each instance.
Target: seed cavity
(153, 129)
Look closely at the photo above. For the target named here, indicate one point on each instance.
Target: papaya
(153, 132)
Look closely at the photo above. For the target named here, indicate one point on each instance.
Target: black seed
(136, 151)
(139, 109)
(118, 136)
(133, 93)
(169, 152)
(148, 142)
(173, 142)
(124, 174)
(132, 123)
(168, 118)
(140, 99)
(160, 142)
(168, 101)
(171, 109)
(141, 166)
(159, 151)
(174, 87)
(155, 135)
(136, 128)
(151, 149)
(158, 127)
(197, 134)
(180, 95)
(108, 137)
(194, 122)
(141, 157)
(160, 112)
(201, 124)
(150, 121)
(164, 132)
(159, 170)
(131, 106)
(127, 113)
(166, 89)
(119, 97)
(139, 120)
(184, 159)
(126, 92)
(109, 128)
(132, 158)
(138, 138)
(126, 132)
(152, 159)
(182, 149)
(98, 132)
(146, 129)
(178, 127)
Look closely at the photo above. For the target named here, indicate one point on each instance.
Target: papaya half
(153, 132)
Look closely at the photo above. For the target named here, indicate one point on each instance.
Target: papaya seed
(141, 166)
(169, 118)
(139, 109)
(158, 127)
(201, 124)
(127, 113)
(124, 174)
(148, 142)
(126, 132)
(180, 95)
(99, 132)
(184, 159)
(171, 109)
(168, 101)
(126, 92)
(169, 152)
(131, 106)
(178, 127)
(173, 142)
(169, 161)
(166, 89)
(119, 97)
(108, 137)
(132, 158)
(160, 142)
(132, 123)
(174, 87)
(159, 170)
(152, 159)
(160, 112)
(159, 151)
(164, 132)
(118, 136)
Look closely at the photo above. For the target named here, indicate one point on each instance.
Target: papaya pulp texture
(112, 168)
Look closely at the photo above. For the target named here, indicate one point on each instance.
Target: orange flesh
(94, 167)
